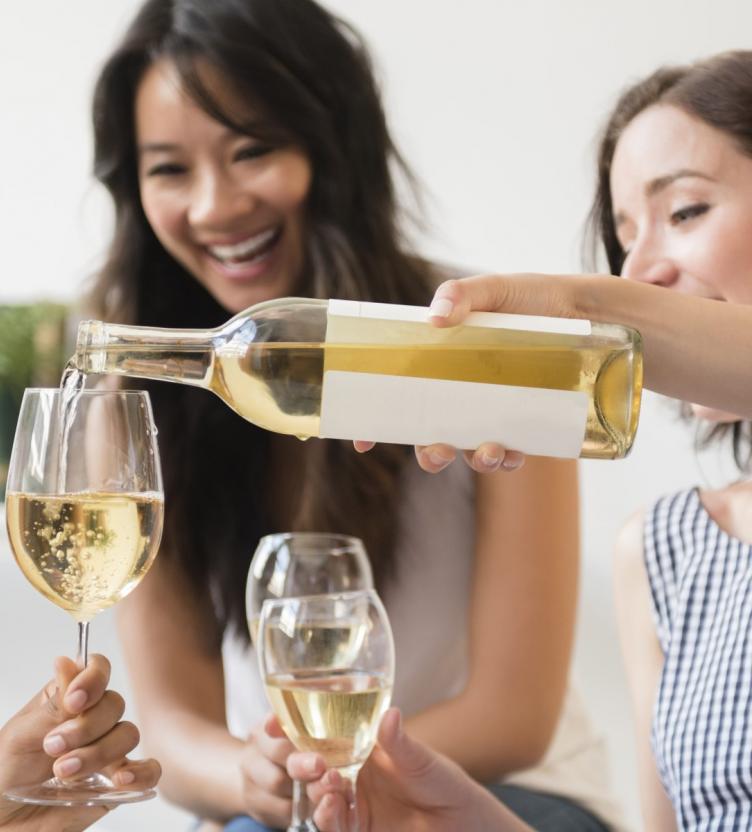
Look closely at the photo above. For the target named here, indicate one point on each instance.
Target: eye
(166, 169)
(689, 212)
(252, 151)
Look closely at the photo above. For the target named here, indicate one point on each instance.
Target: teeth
(244, 250)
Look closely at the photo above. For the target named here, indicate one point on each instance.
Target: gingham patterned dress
(701, 586)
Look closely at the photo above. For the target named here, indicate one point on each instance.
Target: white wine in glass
(327, 662)
(290, 564)
(84, 509)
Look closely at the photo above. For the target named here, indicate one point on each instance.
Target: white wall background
(495, 103)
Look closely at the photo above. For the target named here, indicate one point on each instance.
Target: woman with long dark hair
(247, 153)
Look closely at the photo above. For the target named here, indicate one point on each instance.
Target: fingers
(406, 753)
(263, 766)
(305, 766)
(491, 457)
(361, 446)
(331, 814)
(434, 458)
(136, 774)
(88, 686)
(454, 299)
(87, 728)
(112, 747)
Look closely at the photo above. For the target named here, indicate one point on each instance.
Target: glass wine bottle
(381, 372)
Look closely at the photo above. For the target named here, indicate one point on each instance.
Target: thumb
(405, 752)
(455, 299)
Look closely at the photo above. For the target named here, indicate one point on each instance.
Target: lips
(246, 251)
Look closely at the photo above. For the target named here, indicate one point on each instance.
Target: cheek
(722, 259)
(163, 216)
(289, 184)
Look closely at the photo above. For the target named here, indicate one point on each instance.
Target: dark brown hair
(310, 75)
(718, 91)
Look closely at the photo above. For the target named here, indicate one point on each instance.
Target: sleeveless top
(428, 606)
(701, 587)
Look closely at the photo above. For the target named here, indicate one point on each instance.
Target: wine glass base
(96, 790)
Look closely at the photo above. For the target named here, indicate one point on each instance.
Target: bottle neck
(180, 355)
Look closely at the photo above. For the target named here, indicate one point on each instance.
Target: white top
(428, 611)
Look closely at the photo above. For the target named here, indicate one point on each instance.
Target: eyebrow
(660, 183)
(156, 147)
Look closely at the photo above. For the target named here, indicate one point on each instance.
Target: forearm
(201, 765)
(487, 740)
(696, 349)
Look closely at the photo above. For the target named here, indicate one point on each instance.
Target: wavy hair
(310, 75)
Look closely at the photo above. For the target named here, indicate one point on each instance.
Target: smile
(247, 251)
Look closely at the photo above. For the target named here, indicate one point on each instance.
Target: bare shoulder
(628, 548)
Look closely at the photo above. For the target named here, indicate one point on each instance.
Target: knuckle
(115, 701)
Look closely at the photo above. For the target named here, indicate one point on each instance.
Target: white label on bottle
(421, 411)
(338, 330)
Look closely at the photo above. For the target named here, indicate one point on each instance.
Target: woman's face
(682, 203)
(229, 208)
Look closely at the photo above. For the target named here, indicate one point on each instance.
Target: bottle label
(421, 411)
(343, 315)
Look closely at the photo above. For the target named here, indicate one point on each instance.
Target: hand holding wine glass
(84, 508)
(327, 662)
(73, 720)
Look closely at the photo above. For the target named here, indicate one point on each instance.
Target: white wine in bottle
(356, 370)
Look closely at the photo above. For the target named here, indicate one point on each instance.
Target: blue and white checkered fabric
(701, 586)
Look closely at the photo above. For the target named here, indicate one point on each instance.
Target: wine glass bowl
(289, 564)
(84, 510)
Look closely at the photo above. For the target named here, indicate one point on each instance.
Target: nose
(216, 201)
(646, 264)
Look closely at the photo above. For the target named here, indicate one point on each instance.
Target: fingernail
(124, 778)
(441, 308)
(67, 767)
(512, 462)
(310, 765)
(489, 461)
(75, 701)
(437, 460)
(54, 745)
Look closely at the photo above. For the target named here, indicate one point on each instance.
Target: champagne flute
(84, 509)
(327, 662)
(290, 564)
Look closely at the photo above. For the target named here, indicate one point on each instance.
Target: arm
(687, 340)
(521, 627)
(643, 659)
(179, 687)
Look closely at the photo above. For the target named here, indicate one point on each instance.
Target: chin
(710, 414)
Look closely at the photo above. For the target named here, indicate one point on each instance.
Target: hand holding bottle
(70, 729)
(453, 301)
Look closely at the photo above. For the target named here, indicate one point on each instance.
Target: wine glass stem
(299, 805)
(352, 809)
(82, 657)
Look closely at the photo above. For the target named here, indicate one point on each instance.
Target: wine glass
(327, 662)
(289, 564)
(84, 509)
